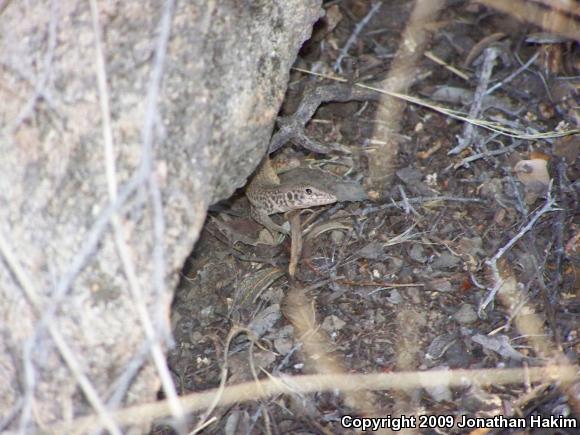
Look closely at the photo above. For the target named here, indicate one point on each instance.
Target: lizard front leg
(266, 220)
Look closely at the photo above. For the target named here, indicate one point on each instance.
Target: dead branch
(492, 262)
(353, 37)
(344, 382)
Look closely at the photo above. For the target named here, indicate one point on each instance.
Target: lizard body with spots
(268, 196)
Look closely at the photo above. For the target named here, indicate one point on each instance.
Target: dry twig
(502, 128)
(68, 355)
(467, 136)
(400, 78)
(557, 19)
(368, 210)
(352, 39)
(492, 262)
(154, 333)
(291, 128)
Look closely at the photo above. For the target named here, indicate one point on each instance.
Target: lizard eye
(308, 191)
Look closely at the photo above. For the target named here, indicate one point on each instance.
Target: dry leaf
(534, 175)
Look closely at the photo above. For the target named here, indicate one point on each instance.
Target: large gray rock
(224, 76)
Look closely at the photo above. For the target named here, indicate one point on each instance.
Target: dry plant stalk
(301, 312)
(409, 321)
(296, 235)
(531, 325)
(556, 19)
(401, 76)
(316, 383)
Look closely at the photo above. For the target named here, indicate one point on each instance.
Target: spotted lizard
(268, 196)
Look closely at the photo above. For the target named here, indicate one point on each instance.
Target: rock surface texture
(104, 187)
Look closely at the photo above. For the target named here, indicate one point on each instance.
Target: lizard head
(304, 195)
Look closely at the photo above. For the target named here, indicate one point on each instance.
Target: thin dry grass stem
(427, 199)
(90, 392)
(161, 295)
(514, 74)
(203, 425)
(88, 389)
(559, 226)
(405, 236)
(96, 232)
(485, 154)
(305, 384)
(111, 175)
(117, 390)
(104, 99)
(26, 402)
(46, 73)
(432, 56)
(492, 262)
(489, 125)
(90, 245)
(455, 114)
(204, 420)
(530, 325)
(468, 134)
(407, 207)
(123, 249)
(557, 18)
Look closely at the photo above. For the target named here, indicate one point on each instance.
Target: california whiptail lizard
(268, 196)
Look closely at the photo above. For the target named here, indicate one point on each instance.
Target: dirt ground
(445, 266)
